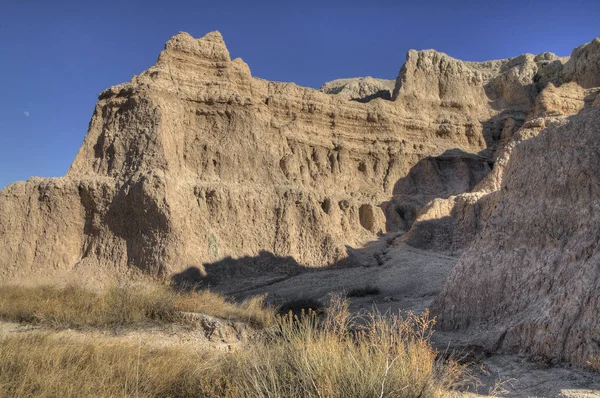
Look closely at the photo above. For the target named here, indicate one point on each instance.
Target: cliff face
(195, 160)
(529, 279)
(558, 88)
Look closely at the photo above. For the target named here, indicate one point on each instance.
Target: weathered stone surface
(562, 95)
(583, 66)
(362, 89)
(195, 160)
(531, 275)
(528, 280)
(431, 179)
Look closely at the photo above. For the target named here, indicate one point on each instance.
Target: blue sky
(58, 55)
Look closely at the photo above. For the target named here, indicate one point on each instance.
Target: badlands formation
(195, 161)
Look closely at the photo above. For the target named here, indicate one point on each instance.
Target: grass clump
(341, 356)
(363, 291)
(121, 306)
(253, 310)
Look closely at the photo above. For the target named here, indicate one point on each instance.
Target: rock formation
(449, 223)
(529, 281)
(360, 89)
(195, 160)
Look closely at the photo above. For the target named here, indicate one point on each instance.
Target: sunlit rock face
(195, 160)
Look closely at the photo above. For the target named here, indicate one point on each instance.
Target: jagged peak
(583, 66)
(590, 44)
(215, 36)
(210, 46)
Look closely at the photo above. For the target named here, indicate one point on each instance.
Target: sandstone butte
(196, 160)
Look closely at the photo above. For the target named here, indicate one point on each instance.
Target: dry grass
(342, 356)
(304, 355)
(121, 306)
(41, 365)
(253, 311)
(593, 364)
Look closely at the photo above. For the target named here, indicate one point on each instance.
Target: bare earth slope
(195, 160)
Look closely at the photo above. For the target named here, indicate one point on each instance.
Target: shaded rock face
(530, 280)
(451, 173)
(195, 160)
(564, 86)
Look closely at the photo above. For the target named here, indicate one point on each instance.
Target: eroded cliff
(195, 160)
(529, 280)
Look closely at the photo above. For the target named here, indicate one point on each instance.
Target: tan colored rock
(195, 160)
(447, 224)
(433, 179)
(360, 89)
(456, 227)
(565, 100)
(583, 66)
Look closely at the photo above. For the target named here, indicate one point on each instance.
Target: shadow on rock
(235, 275)
(452, 173)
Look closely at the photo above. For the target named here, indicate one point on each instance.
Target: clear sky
(57, 55)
